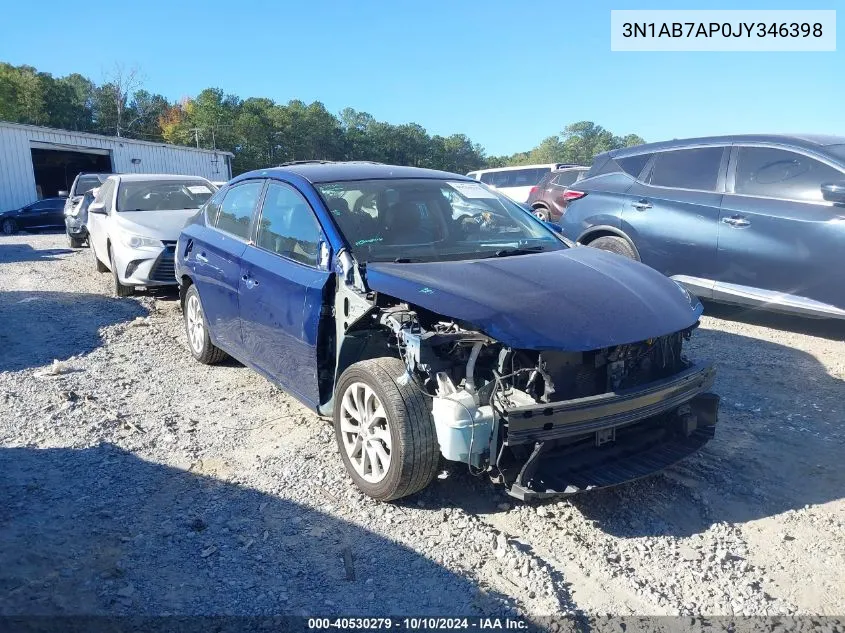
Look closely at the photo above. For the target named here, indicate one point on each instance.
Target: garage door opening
(55, 169)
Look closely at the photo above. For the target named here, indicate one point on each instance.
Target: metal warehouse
(38, 162)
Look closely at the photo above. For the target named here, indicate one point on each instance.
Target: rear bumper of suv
(611, 438)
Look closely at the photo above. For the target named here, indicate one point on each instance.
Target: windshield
(162, 195)
(432, 220)
(837, 150)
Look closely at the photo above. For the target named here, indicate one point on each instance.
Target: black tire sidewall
(382, 489)
(9, 227)
(616, 245)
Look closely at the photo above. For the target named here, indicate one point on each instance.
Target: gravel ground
(135, 480)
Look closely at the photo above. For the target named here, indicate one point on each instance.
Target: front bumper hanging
(611, 438)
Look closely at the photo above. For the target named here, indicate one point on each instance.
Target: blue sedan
(427, 332)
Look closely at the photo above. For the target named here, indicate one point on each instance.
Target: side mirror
(834, 192)
(97, 207)
(63, 193)
(557, 228)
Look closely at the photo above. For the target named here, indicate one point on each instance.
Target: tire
(541, 213)
(617, 245)
(74, 242)
(9, 227)
(196, 329)
(99, 266)
(413, 454)
(120, 290)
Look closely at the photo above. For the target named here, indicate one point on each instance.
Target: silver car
(134, 222)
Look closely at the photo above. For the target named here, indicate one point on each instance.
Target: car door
(672, 213)
(213, 254)
(27, 217)
(777, 235)
(54, 212)
(97, 223)
(281, 291)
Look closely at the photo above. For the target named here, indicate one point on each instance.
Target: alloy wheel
(195, 324)
(365, 432)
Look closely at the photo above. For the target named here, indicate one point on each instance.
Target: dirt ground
(135, 480)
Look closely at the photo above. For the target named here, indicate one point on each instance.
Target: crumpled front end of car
(546, 423)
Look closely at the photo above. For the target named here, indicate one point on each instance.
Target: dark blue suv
(430, 316)
(751, 220)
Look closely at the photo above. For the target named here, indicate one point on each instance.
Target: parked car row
(428, 315)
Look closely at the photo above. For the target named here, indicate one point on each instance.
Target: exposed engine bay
(543, 422)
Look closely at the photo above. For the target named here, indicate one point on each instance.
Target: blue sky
(506, 73)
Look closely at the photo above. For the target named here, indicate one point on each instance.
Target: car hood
(576, 299)
(160, 225)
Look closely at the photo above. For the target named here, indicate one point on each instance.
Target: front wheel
(120, 289)
(99, 266)
(384, 430)
(74, 242)
(9, 227)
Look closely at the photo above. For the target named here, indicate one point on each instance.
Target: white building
(38, 162)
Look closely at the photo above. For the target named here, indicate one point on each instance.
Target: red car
(549, 198)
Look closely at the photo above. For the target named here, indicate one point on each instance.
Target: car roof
(809, 141)
(320, 172)
(144, 177)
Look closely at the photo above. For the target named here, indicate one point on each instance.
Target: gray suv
(751, 220)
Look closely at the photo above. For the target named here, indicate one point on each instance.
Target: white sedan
(134, 222)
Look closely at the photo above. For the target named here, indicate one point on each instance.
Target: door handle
(201, 258)
(736, 221)
(641, 205)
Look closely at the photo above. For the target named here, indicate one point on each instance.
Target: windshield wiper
(523, 250)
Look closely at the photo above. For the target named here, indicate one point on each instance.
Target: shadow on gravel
(25, 253)
(779, 446)
(100, 531)
(38, 327)
(824, 328)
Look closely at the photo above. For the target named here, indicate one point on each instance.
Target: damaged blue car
(433, 318)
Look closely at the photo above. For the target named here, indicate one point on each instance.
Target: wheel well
(606, 232)
(184, 283)
(539, 205)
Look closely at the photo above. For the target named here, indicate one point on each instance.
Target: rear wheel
(9, 227)
(542, 213)
(384, 430)
(196, 327)
(120, 289)
(614, 244)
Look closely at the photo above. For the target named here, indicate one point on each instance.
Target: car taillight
(571, 194)
(533, 191)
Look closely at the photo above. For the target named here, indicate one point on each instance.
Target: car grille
(163, 269)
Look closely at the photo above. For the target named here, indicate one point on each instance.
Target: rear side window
(688, 168)
(633, 165)
(566, 178)
(237, 208)
(288, 226)
(778, 173)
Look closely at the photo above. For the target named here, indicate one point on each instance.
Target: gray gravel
(134, 480)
